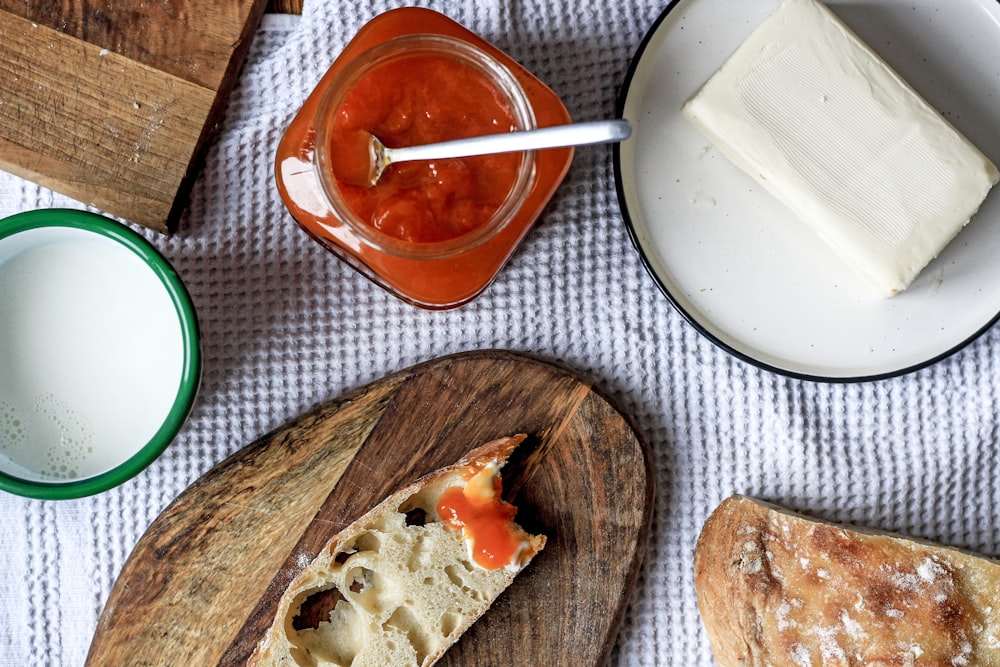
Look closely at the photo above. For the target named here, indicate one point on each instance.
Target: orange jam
(436, 234)
(484, 518)
(414, 100)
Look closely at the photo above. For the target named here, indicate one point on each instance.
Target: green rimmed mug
(100, 353)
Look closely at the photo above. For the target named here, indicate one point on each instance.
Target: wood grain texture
(285, 6)
(202, 583)
(113, 103)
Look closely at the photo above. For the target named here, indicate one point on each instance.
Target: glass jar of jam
(433, 233)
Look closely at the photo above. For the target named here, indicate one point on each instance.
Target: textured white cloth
(287, 326)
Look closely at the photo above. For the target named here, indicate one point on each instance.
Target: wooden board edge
(216, 116)
(642, 538)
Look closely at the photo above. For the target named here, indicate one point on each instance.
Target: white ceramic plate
(738, 265)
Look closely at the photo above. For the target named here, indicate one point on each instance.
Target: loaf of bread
(402, 583)
(777, 588)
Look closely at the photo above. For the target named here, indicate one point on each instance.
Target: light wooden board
(113, 103)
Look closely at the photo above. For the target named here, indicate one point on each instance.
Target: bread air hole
(416, 517)
(365, 542)
(363, 586)
(456, 578)
(419, 509)
(316, 608)
(369, 541)
(322, 630)
(449, 623)
(403, 620)
(359, 581)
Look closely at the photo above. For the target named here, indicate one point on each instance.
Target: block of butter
(822, 123)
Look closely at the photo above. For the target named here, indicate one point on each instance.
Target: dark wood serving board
(113, 102)
(201, 585)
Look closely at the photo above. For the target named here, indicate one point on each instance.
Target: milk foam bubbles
(91, 354)
(55, 454)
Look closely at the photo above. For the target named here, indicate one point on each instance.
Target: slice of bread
(402, 583)
(778, 588)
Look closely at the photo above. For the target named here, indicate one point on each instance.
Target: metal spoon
(573, 134)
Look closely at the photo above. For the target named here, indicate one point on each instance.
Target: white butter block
(820, 121)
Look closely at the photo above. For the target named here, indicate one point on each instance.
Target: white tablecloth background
(286, 326)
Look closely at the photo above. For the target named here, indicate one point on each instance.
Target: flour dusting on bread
(402, 583)
(777, 588)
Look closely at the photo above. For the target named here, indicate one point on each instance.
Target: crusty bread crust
(399, 584)
(778, 589)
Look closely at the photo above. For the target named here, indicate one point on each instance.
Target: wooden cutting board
(112, 103)
(201, 585)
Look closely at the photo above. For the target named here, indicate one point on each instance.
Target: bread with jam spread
(402, 583)
(776, 588)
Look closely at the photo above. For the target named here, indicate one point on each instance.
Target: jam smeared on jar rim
(484, 518)
(422, 99)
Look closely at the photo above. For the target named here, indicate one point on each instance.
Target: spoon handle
(573, 134)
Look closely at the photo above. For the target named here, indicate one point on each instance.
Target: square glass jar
(435, 275)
